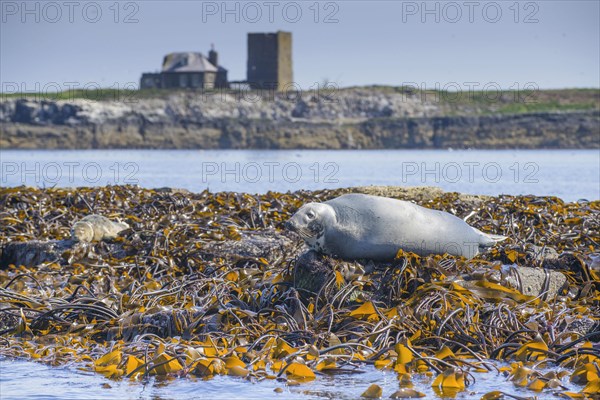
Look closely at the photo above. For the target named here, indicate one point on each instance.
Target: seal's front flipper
(488, 239)
(496, 238)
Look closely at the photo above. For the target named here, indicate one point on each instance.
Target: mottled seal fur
(94, 228)
(356, 226)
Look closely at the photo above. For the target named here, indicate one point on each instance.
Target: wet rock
(586, 268)
(536, 282)
(529, 281)
(163, 322)
(267, 244)
(584, 326)
(34, 253)
(312, 272)
(542, 254)
(8, 322)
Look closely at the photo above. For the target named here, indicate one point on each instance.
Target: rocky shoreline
(355, 119)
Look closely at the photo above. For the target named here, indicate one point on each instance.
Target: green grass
(518, 108)
(476, 102)
(97, 94)
(111, 94)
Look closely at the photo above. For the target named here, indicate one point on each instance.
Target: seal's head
(82, 231)
(310, 222)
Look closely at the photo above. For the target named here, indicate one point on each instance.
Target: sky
(57, 45)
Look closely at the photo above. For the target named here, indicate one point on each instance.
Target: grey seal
(355, 226)
(94, 228)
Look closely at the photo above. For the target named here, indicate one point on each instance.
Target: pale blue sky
(376, 42)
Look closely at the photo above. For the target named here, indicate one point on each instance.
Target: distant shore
(353, 118)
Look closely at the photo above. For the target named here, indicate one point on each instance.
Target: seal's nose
(289, 226)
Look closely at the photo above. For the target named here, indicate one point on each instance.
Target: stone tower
(270, 61)
(213, 56)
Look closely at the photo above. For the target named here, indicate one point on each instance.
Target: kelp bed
(207, 284)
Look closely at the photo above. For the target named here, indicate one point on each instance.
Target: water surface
(30, 380)
(569, 174)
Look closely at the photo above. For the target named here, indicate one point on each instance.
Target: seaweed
(204, 284)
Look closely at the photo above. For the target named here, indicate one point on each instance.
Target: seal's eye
(310, 215)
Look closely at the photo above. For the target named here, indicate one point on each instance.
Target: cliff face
(354, 119)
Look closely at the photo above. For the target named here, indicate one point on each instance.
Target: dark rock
(312, 272)
(8, 322)
(33, 253)
(267, 244)
(164, 323)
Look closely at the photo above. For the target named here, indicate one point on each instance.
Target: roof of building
(187, 62)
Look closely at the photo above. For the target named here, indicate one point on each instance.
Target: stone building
(269, 66)
(270, 61)
(187, 70)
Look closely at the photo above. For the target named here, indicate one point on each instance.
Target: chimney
(213, 57)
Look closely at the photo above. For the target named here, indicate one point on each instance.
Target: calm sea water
(29, 380)
(569, 174)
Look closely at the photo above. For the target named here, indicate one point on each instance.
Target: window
(183, 80)
(196, 80)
